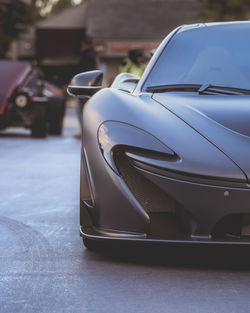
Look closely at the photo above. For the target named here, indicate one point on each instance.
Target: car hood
(222, 120)
(12, 74)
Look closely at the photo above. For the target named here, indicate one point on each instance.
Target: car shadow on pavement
(214, 257)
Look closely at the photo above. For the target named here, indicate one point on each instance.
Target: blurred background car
(27, 101)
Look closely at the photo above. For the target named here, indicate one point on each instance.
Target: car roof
(12, 75)
(213, 24)
(179, 29)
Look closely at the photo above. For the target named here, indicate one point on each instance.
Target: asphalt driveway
(45, 268)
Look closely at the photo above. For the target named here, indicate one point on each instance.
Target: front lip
(93, 234)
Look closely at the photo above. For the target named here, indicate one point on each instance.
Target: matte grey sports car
(166, 158)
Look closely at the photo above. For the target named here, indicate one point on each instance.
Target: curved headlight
(114, 136)
(21, 101)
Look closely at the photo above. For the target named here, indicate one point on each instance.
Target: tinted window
(218, 55)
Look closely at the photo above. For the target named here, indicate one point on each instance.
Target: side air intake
(167, 217)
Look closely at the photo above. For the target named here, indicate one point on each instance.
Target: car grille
(151, 198)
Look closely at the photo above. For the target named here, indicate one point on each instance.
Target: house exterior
(118, 26)
(115, 25)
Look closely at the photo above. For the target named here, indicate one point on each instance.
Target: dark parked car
(167, 158)
(26, 101)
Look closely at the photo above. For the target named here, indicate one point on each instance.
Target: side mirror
(85, 84)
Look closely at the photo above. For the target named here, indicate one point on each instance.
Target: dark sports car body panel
(207, 172)
(168, 161)
(219, 120)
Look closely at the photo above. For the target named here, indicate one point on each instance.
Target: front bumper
(179, 209)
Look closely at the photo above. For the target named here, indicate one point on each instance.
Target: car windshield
(216, 55)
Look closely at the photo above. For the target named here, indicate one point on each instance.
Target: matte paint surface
(44, 267)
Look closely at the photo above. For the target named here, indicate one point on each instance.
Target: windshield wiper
(176, 87)
(200, 88)
(208, 89)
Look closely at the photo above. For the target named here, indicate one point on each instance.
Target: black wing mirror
(86, 84)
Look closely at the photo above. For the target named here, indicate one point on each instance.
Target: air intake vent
(233, 225)
(167, 217)
(151, 197)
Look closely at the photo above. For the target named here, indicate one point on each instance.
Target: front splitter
(93, 234)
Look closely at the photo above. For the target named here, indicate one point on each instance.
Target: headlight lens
(118, 135)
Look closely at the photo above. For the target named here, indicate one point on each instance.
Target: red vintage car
(26, 101)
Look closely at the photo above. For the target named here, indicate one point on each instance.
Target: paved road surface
(45, 268)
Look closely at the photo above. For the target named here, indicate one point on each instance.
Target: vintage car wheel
(56, 128)
(55, 116)
(39, 122)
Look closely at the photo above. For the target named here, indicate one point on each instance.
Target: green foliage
(225, 10)
(61, 5)
(15, 18)
(53, 6)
